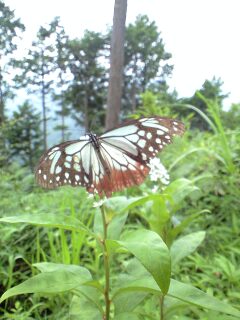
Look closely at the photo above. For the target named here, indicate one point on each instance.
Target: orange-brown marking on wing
(117, 180)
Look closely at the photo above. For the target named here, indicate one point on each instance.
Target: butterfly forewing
(117, 159)
(63, 165)
(145, 137)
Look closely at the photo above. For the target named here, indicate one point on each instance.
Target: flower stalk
(106, 266)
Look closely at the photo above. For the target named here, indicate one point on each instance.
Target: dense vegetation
(54, 244)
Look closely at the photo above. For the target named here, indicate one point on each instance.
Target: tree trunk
(63, 124)
(1, 99)
(86, 118)
(116, 64)
(44, 112)
(44, 119)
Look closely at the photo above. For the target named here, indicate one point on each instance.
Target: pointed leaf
(48, 220)
(82, 308)
(184, 246)
(64, 279)
(126, 315)
(194, 296)
(148, 247)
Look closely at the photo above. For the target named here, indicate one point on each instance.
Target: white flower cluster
(158, 171)
(99, 203)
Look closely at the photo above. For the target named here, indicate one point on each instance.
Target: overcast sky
(202, 35)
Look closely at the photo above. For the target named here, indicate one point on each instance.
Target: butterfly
(115, 160)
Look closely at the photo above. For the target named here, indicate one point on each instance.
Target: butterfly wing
(144, 138)
(65, 164)
(128, 149)
(119, 160)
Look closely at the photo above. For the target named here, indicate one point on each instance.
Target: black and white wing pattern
(111, 162)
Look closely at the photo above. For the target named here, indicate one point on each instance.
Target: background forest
(196, 212)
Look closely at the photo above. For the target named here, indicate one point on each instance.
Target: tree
(231, 118)
(37, 70)
(146, 61)
(10, 28)
(25, 136)
(116, 64)
(62, 81)
(87, 90)
(212, 90)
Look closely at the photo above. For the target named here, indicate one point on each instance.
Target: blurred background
(181, 60)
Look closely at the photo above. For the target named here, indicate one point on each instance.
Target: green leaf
(185, 223)
(82, 308)
(48, 220)
(184, 246)
(179, 190)
(116, 225)
(119, 204)
(60, 279)
(184, 292)
(194, 296)
(126, 315)
(128, 301)
(148, 247)
(92, 294)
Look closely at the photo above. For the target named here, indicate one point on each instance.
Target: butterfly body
(115, 160)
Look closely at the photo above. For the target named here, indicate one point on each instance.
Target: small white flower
(155, 188)
(158, 171)
(98, 203)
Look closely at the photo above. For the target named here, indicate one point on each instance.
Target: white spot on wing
(144, 157)
(66, 175)
(58, 170)
(149, 135)
(142, 143)
(67, 165)
(77, 167)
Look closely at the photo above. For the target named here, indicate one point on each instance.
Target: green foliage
(10, 29)
(136, 284)
(25, 136)
(211, 90)
(86, 92)
(231, 118)
(10, 26)
(154, 251)
(146, 61)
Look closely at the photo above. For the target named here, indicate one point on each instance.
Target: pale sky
(202, 35)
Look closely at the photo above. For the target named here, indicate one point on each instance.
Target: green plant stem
(162, 307)
(106, 266)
